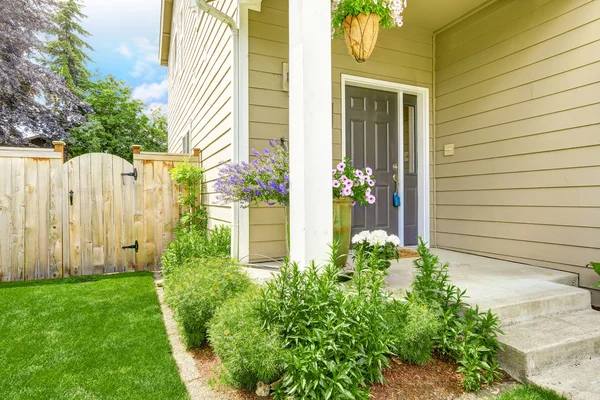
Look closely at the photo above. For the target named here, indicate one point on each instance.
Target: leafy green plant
(191, 243)
(219, 241)
(337, 337)
(197, 289)
(467, 335)
(413, 327)
(596, 266)
(248, 352)
(193, 214)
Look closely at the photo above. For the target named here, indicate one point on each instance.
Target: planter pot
(342, 226)
(361, 33)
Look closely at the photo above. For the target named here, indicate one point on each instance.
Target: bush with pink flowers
(353, 183)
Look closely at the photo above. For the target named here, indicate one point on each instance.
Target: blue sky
(124, 35)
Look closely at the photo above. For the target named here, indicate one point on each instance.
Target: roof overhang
(164, 41)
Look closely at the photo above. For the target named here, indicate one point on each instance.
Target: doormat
(408, 253)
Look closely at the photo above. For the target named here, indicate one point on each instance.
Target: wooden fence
(59, 220)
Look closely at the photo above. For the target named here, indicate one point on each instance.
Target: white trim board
(422, 143)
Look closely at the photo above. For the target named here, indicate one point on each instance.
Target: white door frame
(422, 143)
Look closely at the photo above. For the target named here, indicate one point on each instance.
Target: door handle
(71, 197)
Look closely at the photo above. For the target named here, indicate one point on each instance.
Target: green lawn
(531, 392)
(85, 338)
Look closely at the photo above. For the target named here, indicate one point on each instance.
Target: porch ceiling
(435, 14)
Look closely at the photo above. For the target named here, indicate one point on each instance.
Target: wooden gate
(99, 214)
(70, 219)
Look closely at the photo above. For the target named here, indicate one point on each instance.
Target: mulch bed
(436, 380)
(208, 365)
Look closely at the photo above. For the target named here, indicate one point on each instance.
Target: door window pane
(410, 164)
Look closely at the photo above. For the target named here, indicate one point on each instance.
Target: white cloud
(124, 50)
(151, 92)
(145, 54)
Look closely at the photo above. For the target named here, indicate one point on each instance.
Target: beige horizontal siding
(401, 56)
(200, 92)
(517, 94)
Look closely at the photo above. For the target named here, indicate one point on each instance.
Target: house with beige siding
(488, 112)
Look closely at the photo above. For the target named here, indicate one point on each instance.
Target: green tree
(117, 122)
(66, 52)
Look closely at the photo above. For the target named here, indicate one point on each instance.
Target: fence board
(149, 215)
(31, 225)
(110, 238)
(128, 219)
(84, 198)
(5, 221)
(55, 219)
(97, 172)
(43, 251)
(17, 224)
(74, 213)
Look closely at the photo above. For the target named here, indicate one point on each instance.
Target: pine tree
(66, 52)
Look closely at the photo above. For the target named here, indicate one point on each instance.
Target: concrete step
(523, 300)
(576, 381)
(534, 347)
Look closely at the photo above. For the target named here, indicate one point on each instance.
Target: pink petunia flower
(371, 199)
(369, 171)
(349, 183)
(371, 182)
(341, 166)
(336, 183)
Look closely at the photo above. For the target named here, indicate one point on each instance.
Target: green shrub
(467, 335)
(192, 243)
(186, 245)
(337, 336)
(195, 290)
(189, 177)
(413, 327)
(248, 352)
(219, 242)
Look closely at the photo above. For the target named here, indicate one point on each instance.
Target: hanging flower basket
(359, 22)
(361, 33)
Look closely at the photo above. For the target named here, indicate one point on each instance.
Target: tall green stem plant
(193, 215)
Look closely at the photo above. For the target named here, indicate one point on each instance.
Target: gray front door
(372, 141)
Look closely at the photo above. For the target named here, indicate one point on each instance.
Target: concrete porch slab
(476, 273)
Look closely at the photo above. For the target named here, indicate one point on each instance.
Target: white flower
(394, 240)
(360, 237)
(378, 237)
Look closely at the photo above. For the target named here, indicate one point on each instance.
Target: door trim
(422, 143)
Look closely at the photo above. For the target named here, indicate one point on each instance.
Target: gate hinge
(132, 246)
(134, 174)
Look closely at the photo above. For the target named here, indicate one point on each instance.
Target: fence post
(59, 147)
(137, 149)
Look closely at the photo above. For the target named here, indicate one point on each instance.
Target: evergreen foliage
(66, 52)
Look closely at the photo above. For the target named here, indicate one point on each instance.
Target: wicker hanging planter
(361, 33)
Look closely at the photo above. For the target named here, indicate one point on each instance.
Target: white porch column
(310, 125)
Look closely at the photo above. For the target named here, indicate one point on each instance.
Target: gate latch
(132, 246)
(134, 174)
